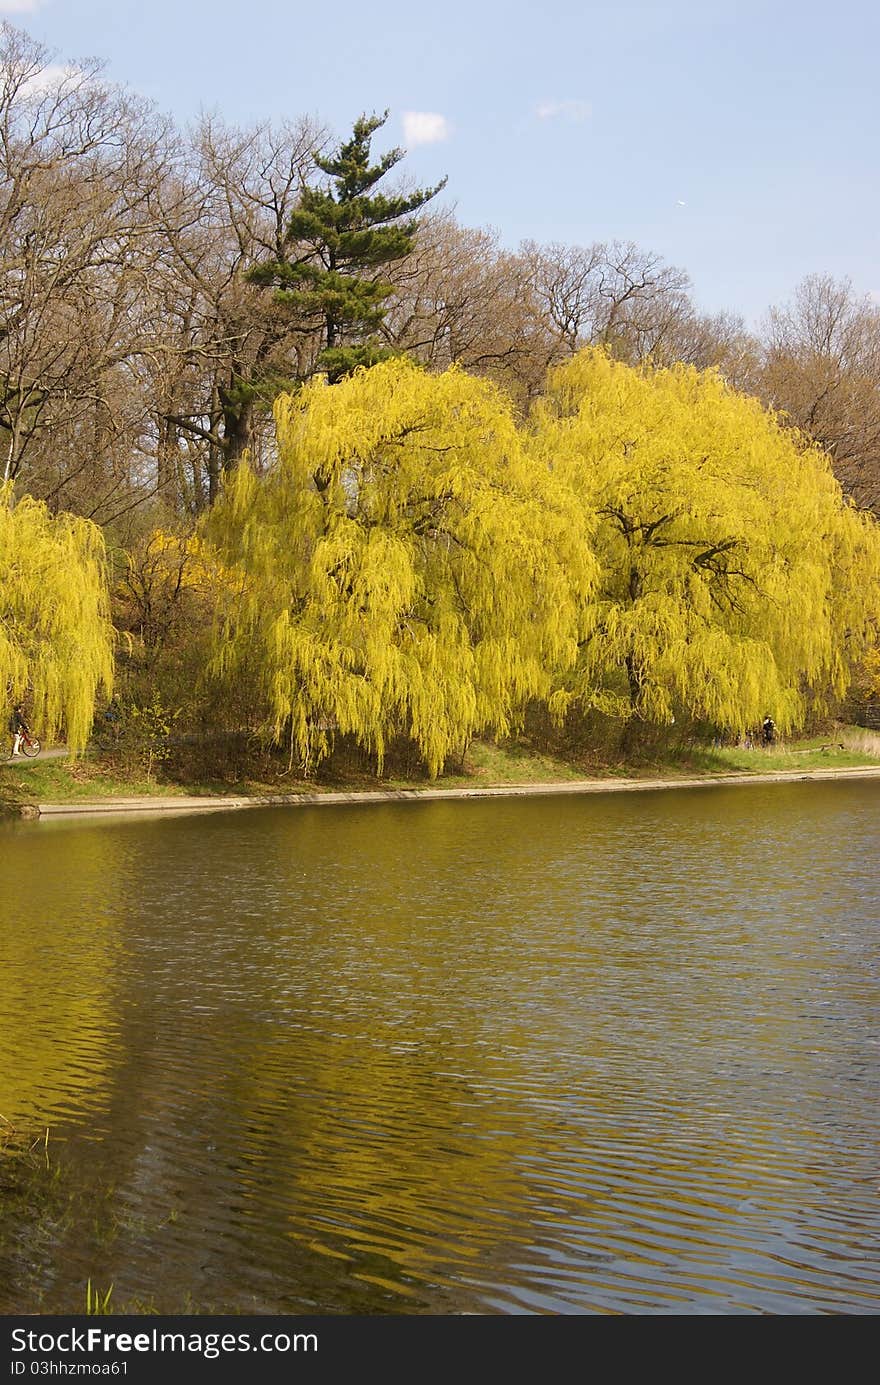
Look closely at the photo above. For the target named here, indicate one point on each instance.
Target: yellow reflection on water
(58, 944)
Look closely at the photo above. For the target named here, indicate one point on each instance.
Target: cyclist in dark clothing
(18, 726)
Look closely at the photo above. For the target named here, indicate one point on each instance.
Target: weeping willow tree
(56, 638)
(735, 580)
(406, 569)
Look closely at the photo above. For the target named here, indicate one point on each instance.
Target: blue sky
(739, 140)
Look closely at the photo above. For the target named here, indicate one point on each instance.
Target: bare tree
(821, 369)
(223, 345)
(614, 295)
(711, 341)
(461, 299)
(79, 161)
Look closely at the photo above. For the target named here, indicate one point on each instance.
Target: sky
(738, 139)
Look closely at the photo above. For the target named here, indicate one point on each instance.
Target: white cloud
(425, 127)
(576, 111)
(874, 296)
(52, 75)
(19, 6)
(49, 79)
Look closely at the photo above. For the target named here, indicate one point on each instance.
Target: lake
(553, 1055)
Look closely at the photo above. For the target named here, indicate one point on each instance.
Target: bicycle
(29, 745)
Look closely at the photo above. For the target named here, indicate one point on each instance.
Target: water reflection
(58, 944)
(554, 1055)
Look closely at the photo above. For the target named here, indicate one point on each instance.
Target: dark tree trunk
(238, 430)
(167, 460)
(214, 474)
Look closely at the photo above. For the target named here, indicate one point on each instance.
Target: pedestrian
(19, 727)
(768, 730)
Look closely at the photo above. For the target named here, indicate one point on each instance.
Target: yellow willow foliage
(870, 672)
(735, 579)
(406, 568)
(185, 562)
(56, 639)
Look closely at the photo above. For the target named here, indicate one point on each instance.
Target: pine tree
(340, 237)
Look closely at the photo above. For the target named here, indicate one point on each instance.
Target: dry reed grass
(860, 740)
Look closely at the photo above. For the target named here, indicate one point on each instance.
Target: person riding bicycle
(19, 727)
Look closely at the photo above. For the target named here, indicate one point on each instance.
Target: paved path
(191, 804)
(58, 752)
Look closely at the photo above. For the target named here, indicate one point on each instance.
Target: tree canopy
(159, 291)
(735, 579)
(339, 238)
(56, 639)
(407, 569)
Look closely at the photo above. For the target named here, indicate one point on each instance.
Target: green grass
(70, 781)
(97, 1300)
(512, 763)
(845, 747)
(485, 764)
(798, 756)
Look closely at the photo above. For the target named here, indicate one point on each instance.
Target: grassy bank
(486, 764)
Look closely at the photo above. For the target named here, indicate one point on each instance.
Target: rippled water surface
(593, 1054)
